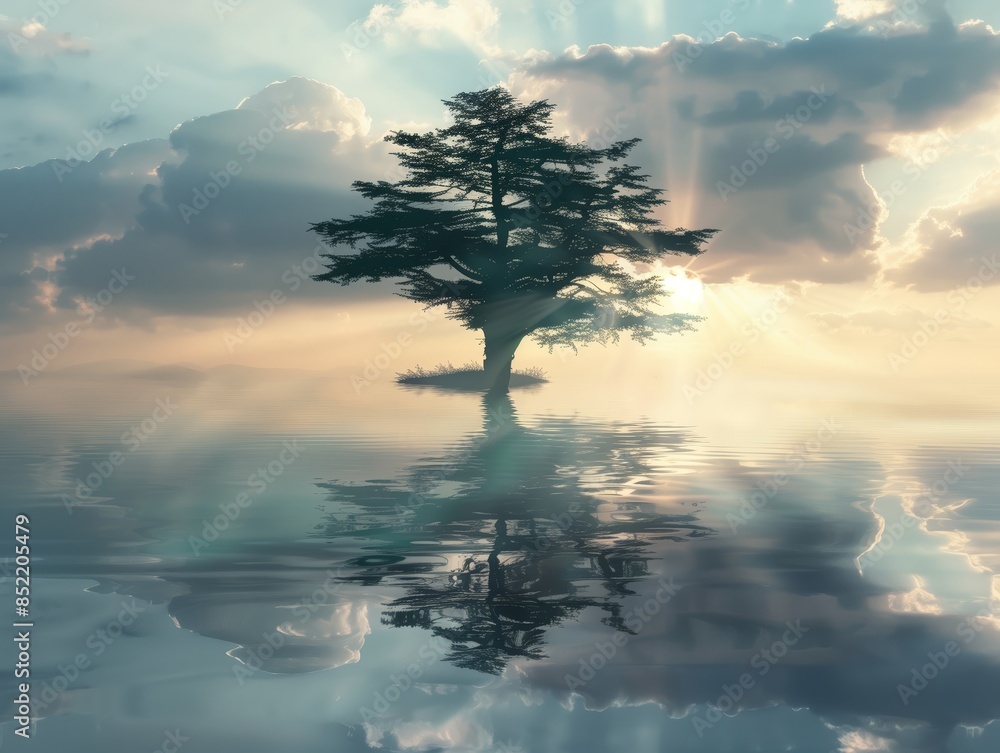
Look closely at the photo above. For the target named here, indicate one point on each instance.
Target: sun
(685, 288)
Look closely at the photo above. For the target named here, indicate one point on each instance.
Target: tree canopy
(518, 232)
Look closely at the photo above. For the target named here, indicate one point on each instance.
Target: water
(258, 562)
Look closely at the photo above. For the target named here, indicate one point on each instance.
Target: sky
(160, 167)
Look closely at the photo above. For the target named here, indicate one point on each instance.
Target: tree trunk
(499, 353)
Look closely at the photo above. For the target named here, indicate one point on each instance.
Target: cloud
(313, 637)
(955, 245)
(33, 39)
(765, 141)
(40, 85)
(312, 106)
(768, 141)
(890, 16)
(473, 22)
(459, 732)
(862, 10)
(45, 218)
(205, 220)
(739, 594)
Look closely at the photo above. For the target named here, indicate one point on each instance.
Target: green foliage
(516, 231)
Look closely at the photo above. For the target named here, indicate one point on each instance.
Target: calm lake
(255, 561)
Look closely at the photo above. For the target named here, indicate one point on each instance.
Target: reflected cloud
(518, 530)
(556, 570)
(273, 636)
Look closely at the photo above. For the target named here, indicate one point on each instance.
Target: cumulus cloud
(459, 732)
(312, 106)
(323, 636)
(738, 598)
(43, 218)
(862, 10)
(955, 245)
(768, 141)
(473, 22)
(205, 220)
(890, 16)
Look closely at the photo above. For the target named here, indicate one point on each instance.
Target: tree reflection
(515, 531)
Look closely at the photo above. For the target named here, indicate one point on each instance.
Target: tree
(513, 532)
(519, 233)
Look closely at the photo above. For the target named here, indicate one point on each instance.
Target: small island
(467, 377)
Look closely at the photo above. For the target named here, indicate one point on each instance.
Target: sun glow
(685, 288)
